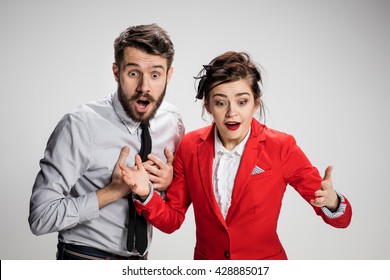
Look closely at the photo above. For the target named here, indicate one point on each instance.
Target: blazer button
(143, 212)
(227, 254)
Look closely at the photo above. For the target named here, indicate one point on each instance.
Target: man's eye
(133, 73)
(155, 75)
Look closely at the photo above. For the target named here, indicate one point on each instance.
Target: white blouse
(225, 167)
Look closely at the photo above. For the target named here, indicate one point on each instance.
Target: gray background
(327, 72)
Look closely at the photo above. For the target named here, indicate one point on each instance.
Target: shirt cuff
(148, 198)
(339, 212)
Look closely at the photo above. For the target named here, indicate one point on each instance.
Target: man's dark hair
(150, 38)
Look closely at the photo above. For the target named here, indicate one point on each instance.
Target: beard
(127, 104)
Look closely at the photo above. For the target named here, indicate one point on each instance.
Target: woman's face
(232, 106)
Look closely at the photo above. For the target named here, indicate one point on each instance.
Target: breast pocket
(264, 174)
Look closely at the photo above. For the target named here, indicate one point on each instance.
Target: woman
(235, 172)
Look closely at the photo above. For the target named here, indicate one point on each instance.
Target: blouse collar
(237, 150)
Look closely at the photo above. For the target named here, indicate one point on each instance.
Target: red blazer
(249, 231)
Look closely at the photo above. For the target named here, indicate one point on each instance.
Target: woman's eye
(242, 102)
(220, 103)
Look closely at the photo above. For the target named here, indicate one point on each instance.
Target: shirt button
(227, 254)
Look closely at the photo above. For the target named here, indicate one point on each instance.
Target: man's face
(142, 80)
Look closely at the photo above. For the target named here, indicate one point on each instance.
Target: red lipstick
(232, 125)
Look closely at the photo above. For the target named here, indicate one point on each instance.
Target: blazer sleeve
(169, 215)
(305, 179)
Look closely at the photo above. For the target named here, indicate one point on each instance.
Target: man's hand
(117, 187)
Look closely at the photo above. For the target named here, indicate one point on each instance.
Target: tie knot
(144, 125)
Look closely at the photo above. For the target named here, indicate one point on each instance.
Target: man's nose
(143, 84)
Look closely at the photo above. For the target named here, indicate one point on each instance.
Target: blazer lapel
(205, 156)
(252, 152)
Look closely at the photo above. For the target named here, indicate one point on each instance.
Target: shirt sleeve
(340, 210)
(66, 158)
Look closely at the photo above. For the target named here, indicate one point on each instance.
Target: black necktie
(137, 224)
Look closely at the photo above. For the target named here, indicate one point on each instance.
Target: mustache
(145, 95)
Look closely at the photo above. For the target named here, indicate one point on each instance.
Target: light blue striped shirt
(79, 159)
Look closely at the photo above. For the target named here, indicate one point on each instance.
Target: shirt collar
(131, 125)
(237, 150)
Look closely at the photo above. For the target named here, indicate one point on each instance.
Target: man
(79, 191)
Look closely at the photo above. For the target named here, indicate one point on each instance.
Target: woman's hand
(136, 178)
(326, 196)
(160, 173)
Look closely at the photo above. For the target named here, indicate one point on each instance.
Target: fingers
(148, 162)
(123, 155)
(126, 171)
(138, 163)
(320, 198)
(168, 154)
(133, 176)
(152, 159)
(326, 197)
(153, 170)
(158, 183)
(327, 184)
(128, 180)
(126, 175)
(320, 193)
(318, 202)
(160, 174)
(158, 168)
(155, 161)
(328, 173)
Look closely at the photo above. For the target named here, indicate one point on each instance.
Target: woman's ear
(206, 105)
(257, 103)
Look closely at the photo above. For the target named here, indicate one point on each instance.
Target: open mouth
(232, 125)
(142, 104)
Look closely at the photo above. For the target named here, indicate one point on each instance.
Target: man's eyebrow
(133, 64)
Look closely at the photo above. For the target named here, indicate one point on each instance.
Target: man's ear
(169, 73)
(115, 71)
